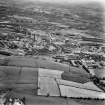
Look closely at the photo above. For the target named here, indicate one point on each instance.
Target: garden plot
(47, 84)
(73, 89)
(68, 91)
(50, 73)
(47, 87)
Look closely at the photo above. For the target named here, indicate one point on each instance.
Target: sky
(67, 1)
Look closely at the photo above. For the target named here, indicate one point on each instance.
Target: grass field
(40, 100)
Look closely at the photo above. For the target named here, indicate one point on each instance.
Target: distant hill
(84, 17)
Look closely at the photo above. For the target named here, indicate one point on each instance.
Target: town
(49, 51)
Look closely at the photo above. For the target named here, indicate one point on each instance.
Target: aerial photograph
(52, 52)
